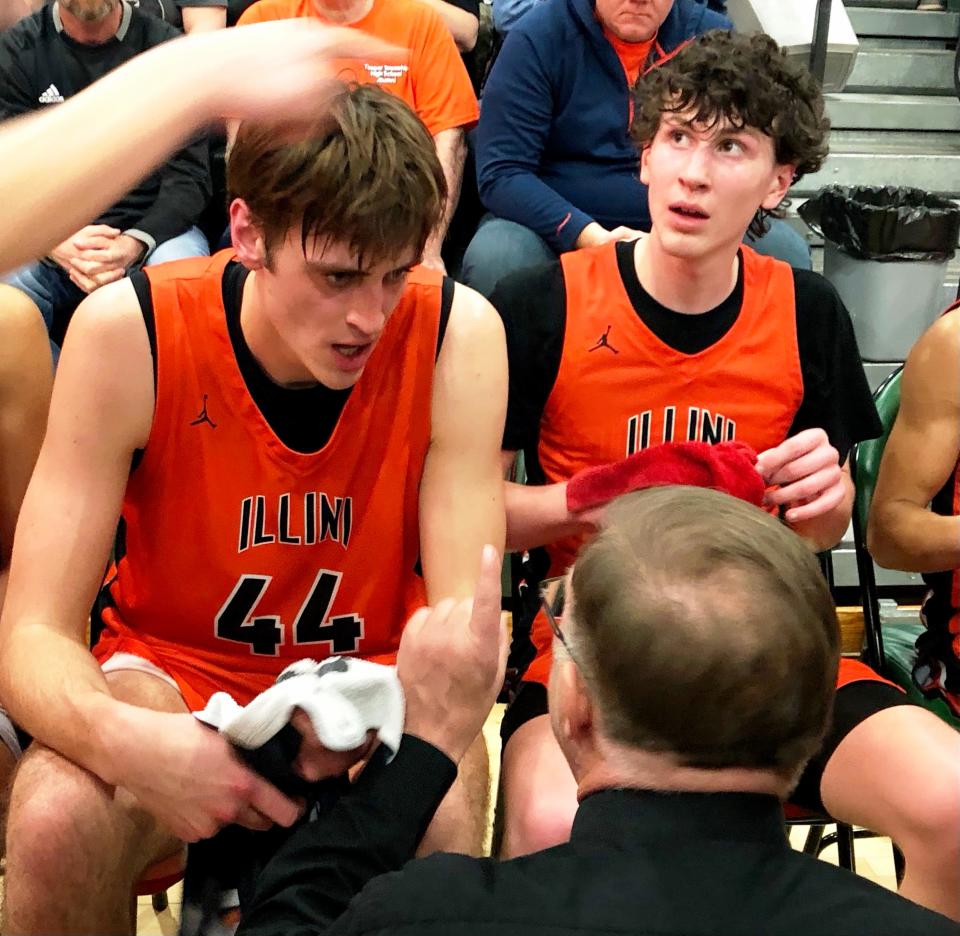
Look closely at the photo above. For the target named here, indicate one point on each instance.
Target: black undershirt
(532, 303)
(303, 418)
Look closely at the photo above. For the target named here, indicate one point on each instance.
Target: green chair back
(869, 453)
(865, 465)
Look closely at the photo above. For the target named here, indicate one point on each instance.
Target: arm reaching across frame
(127, 123)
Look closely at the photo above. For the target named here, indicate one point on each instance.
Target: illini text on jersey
(295, 521)
(701, 426)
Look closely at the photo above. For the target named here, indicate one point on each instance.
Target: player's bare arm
(101, 412)
(919, 457)
(26, 378)
(451, 150)
(812, 489)
(815, 490)
(461, 494)
(538, 514)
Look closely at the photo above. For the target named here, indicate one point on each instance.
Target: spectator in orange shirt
(433, 81)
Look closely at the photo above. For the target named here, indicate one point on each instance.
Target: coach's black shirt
(638, 862)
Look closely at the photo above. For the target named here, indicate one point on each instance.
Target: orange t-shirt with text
(433, 81)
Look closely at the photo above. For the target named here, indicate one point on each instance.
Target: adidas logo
(51, 96)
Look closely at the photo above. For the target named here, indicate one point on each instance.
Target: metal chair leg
(845, 856)
(899, 864)
(812, 844)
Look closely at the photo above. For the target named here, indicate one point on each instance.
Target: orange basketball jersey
(621, 389)
(239, 555)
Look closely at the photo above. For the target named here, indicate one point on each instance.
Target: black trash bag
(887, 224)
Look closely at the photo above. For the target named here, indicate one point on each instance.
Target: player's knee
(941, 820)
(537, 819)
(55, 818)
(929, 823)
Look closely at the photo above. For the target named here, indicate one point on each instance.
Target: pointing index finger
(485, 617)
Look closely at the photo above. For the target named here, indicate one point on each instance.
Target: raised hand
(451, 664)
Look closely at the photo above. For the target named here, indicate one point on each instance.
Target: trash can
(886, 251)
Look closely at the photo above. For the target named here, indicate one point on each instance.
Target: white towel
(344, 698)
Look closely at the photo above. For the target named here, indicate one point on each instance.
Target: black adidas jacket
(40, 66)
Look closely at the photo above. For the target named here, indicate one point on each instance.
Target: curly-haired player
(688, 335)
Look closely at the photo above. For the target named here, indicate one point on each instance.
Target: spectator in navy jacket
(555, 164)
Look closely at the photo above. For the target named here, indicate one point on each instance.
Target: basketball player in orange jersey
(686, 334)
(284, 431)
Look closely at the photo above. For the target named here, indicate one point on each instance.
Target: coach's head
(697, 648)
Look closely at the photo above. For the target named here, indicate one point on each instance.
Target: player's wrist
(114, 731)
(448, 741)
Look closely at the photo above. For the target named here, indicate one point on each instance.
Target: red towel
(728, 467)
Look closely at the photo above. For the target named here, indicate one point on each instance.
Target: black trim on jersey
(141, 286)
(303, 418)
(447, 290)
(675, 328)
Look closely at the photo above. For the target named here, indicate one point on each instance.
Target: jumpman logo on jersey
(203, 417)
(603, 342)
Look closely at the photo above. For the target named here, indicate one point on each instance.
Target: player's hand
(315, 762)
(451, 663)
(280, 71)
(807, 469)
(190, 778)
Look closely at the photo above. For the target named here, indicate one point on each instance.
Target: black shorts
(853, 703)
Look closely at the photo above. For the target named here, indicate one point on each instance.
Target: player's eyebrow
(730, 131)
(320, 266)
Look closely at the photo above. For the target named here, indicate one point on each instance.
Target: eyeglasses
(552, 598)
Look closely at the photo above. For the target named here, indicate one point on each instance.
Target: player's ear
(644, 171)
(246, 236)
(780, 182)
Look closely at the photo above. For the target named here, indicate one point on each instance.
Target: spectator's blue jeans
(501, 247)
(56, 296)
